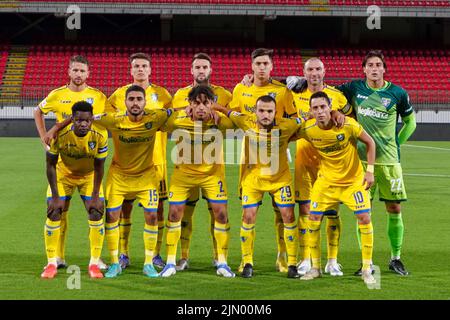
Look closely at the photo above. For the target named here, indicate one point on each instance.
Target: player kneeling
(82, 152)
(340, 179)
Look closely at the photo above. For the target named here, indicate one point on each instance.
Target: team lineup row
(328, 168)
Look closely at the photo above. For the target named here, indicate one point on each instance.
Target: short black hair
(82, 106)
(262, 52)
(320, 94)
(199, 90)
(79, 59)
(135, 87)
(374, 53)
(139, 55)
(266, 99)
(201, 55)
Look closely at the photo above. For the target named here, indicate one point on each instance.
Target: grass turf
(426, 166)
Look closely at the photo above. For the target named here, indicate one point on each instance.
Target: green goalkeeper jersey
(377, 110)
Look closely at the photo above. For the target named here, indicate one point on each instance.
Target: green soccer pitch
(426, 254)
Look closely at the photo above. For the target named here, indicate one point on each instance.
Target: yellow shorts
(325, 198)
(184, 187)
(67, 185)
(306, 168)
(253, 189)
(120, 187)
(161, 172)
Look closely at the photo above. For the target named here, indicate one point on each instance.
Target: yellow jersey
(156, 97)
(339, 161)
(266, 146)
(199, 143)
(61, 100)
(244, 98)
(134, 142)
(77, 154)
(221, 96)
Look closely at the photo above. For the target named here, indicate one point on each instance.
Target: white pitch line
(425, 147)
(427, 175)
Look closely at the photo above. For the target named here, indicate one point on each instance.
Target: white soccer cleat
(368, 278)
(304, 266)
(182, 264)
(168, 271)
(311, 274)
(334, 269)
(101, 265)
(225, 271)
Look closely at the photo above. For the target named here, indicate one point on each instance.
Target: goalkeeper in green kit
(377, 104)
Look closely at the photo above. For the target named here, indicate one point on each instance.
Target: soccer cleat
(367, 276)
(311, 274)
(158, 262)
(150, 271)
(281, 263)
(247, 271)
(102, 265)
(49, 272)
(397, 266)
(292, 272)
(182, 264)
(94, 271)
(169, 270)
(304, 266)
(124, 261)
(225, 271)
(334, 269)
(113, 271)
(359, 271)
(61, 263)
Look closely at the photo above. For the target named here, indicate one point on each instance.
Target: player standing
(82, 153)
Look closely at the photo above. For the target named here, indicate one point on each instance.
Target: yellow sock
(150, 240)
(61, 248)
(160, 237)
(96, 237)
(291, 241)
(211, 230)
(52, 232)
(112, 240)
(314, 242)
(366, 244)
(247, 240)
(124, 232)
(303, 247)
(333, 226)
(222, 236)
(173, 233)
(186, 230)
(279, 230)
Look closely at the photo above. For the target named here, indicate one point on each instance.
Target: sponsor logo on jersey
(362, 97)
(148, 125)
(92, 144)
(90, 100)
(368, 112)
(340, 137)
(386, 102)
(65, 101)
(244, 94)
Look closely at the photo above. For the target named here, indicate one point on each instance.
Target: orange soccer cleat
(49, 272)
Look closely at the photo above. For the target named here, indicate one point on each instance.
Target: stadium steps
(13, 75)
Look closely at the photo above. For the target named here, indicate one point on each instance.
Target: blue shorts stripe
(361, 211)
(113, 209)
(245, 206)
(178, 202)
(150, 209)
(216, 201)
(289, 205)
(90, 198)
(61, 198)
(316, 212)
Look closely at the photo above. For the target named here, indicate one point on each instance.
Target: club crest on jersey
(154, 97)
(90, 100)
(386, 102)
(148, 125)
(92, 144)
(272, 94)
(340, 137)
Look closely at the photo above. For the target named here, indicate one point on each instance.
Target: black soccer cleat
(292, 272)
(358, 272)
(397, 266)
(247, 272)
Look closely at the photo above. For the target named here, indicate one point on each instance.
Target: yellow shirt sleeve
(355, 129)
(240, 120)
(289, 107)
(102, 150)
(235, 101)
(48, 104)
